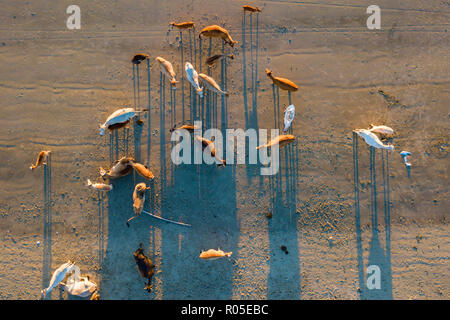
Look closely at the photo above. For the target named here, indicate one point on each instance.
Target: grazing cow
(372, 140)
(145, 266)
(211, 60)
(183, 25)
(138, 200)
(280, 140)
(208, 144)
(58, 276)
(192, 76)
(217, 32)
(167, 69)
(142, 170)
(120, 168)
(251, 9)
(138, 58)
(41, 159)
(283, 83)
(213, 254)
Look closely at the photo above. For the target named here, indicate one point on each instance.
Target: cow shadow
(120, 277)
(203, 196)
(284, 276)
(379, 257)
(47, 245)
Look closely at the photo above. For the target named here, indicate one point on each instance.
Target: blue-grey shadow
(205, 197)
(408, 171)
(137, 132)
(119, 145)
(120, 277)
(284, 276)
(378, 255)
(251, 115)
(47, 238)
(101, 234)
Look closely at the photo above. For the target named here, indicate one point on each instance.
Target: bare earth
(58, 85)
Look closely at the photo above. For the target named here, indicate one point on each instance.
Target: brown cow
(41, 159)
(283, 83)
(145, 266)
(217, 32)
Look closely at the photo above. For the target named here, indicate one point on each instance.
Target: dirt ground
(58, 85)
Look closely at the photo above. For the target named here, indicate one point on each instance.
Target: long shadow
(182, 75)
(138, 106)
(251, 56)
(255, 79)
(379, 257)
(276, 105)
(101, 220)
(119, 281)
(205, 197)
(120, 145)
(244, 69)
(209, 103)
(387, 220)
(117, 144)
(134, 85)
(120, 275)
(284, 282)
(162, 109)
(111, 148)
(149, 118)
(173, 121)
(137, 131)
(138, 125)
(197, 102)
(251, 116)
(356, 185)
(191, 114)
(284, 277)
(47, 245)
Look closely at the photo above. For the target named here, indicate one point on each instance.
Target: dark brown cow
(145, 266)
(138, 58)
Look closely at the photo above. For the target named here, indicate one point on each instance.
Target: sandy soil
(58, 85)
